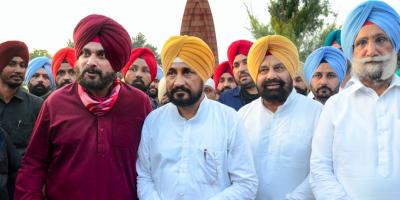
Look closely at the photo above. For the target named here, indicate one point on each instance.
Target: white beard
(381, 69)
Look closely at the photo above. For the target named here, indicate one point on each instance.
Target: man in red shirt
(84, 143)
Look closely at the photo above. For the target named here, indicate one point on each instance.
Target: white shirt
(281, 145)
(206, 157)
(356, 147)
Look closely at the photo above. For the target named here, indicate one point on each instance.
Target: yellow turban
(280, 47)
(191, 50)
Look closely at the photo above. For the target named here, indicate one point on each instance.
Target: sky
(48, 24)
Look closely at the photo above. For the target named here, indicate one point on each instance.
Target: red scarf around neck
(97, 105)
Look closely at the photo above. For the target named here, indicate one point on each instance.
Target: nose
(179, 80)
(371, 49)
(242, 67)
(92, 61)
(323, 81)
(272, 74)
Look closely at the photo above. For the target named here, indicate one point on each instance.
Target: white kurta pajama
(206, 157)
(281, 145)
(356, 147)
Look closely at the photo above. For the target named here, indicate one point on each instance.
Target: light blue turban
(160, 73)
(377, 12)
(37, 63)
(332, 55)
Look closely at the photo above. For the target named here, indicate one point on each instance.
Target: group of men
(86, 134)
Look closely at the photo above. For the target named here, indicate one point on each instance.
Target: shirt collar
(203, 105)
(19, 94)
(355, 84)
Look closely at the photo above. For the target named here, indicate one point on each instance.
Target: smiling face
(14, 72)
(274, 83)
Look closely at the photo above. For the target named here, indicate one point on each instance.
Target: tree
(38, 53)
(302, 21)
(140, 41)
(70, 43)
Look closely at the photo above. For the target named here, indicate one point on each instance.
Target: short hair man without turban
(202, 137)
(356, 144)
(280, 124)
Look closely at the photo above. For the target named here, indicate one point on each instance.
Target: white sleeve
(240, 167)
(145, 184)
(322, 179)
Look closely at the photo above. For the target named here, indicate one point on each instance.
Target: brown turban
(11, 49)
(113, 37)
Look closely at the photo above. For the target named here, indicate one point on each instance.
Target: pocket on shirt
(209, 165)
(125, 133)
(21, 134)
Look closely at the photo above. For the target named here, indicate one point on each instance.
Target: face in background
(210, 92)
(300, 85)
(94, 70)
(65, 75)
(241, 72)
(324, 82)
(39, 84)
(374, 58)
(13, 74)
(153, 88)
(226, 82)
(274, 83)
(184, 86)
(139, 75)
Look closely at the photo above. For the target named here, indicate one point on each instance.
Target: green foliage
(140, 41)
(302, 21)
(70, 43)
(38, 53)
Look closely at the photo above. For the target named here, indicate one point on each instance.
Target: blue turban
(160, 73)
(332, 55)
(377, 12)
(37, 63)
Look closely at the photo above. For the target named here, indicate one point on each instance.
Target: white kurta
(281, 144)
(356, 147)
(206, 157)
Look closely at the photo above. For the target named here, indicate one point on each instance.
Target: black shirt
(18, 117)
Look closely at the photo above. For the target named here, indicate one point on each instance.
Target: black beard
(323, 93)
(139, 84)
(180, 102)
(39, 89)
(278, 95)
(12, 84)
(301, 91)
(103, 82)
(152, 94)
(64, 83)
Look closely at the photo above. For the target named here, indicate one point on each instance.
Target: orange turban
(280, 47)
(61, 55)
(147, 55)
(191, 50)
(113, 37)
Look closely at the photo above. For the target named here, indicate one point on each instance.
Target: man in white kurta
(356, 147)
(280, 124)
(193, 148)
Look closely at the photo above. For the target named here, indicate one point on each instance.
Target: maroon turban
(113, 37)
(11, 49)
(147, 55)
(67, 54)
(221, 69)
(238, 47)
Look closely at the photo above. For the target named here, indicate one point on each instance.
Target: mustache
(365, 60)
(138, 80)
(92, 70)
(17, 75)
(180, 89)
(324, 87)
(268, 82)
